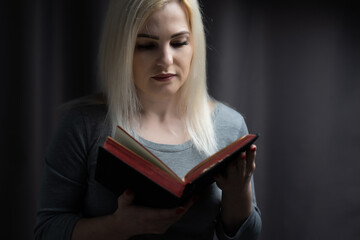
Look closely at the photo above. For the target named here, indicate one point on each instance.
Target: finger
(174, 213)
(242, 163)
(156, 224)
(250, 160)
(220, 181)
(238, 166)
(151, 214)
(126, 198)
(232, 168)
(160, 225)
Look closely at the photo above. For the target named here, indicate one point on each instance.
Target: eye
(179, 44)
(149, 46)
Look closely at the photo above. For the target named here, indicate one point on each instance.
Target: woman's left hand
(236, 190)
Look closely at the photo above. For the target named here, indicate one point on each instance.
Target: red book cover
(133, 166)
(174, 185)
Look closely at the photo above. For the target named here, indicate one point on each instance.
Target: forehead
(170, 19)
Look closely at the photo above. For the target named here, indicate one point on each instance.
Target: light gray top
(69, 190)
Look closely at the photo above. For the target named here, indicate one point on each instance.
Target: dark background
(291, 68)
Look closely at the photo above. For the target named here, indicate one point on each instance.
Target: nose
(165, 58)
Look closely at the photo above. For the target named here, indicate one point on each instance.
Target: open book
(125, 163)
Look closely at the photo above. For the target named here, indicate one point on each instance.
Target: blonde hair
(123, 21)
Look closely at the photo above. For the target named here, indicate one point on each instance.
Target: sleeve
(64, 180)
(251, 228)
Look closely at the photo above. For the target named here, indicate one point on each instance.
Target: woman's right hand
(130, 220)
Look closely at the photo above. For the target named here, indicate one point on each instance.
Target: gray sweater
(70, 192)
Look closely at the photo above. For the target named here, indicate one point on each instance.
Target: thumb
(126, 198)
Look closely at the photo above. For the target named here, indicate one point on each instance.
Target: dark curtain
(291, 68)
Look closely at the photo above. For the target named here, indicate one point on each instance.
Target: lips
(164, 77)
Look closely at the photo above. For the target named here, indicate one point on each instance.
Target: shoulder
(227, 117)
(82, 121)
(80, 129)
(88, 106)
(222, 110)
(89, 110)
(228, 123)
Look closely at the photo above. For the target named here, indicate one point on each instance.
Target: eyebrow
(144, 35)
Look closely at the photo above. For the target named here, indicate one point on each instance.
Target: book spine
(147, 169)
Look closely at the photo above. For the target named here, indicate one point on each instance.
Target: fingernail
(180, 210)
(253, 148)
(243, 155)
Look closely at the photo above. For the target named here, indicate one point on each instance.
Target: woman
(152, 64)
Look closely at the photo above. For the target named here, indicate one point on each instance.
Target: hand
(235, 184)
(237, 176)
(130, 220)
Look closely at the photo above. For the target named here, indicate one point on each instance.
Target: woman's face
(163, 53)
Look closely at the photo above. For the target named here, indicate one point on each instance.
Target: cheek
(136, 72)
(139, 65)
(187, 59)
(136, 63)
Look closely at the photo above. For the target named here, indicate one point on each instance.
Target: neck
(160, 108)
(161, 122)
